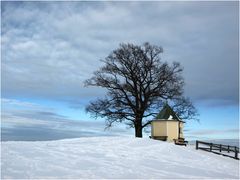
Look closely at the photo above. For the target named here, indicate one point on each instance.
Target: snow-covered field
(111, 157)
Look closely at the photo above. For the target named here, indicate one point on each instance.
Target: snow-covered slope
(111, 157)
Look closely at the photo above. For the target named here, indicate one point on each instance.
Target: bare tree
(138, 83)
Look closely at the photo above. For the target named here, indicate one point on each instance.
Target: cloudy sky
(50, 48)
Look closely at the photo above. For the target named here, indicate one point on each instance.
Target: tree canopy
(138, 83)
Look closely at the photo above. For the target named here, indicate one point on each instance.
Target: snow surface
(111, 157)
(170, 117)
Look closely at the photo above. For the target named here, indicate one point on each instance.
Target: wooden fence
(220, 148)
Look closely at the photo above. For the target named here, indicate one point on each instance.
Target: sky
(48, 49)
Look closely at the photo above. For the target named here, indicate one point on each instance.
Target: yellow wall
(167, 128)
(181, 130)
(172, 130)
(159, 128)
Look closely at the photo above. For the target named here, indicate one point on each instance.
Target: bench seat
(180, 141)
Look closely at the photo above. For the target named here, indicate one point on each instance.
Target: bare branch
(138, 82)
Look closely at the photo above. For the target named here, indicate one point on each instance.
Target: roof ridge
(166, 113)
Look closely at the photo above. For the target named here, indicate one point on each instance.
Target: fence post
(211, 146)
(236, 152)
(228, 148)
(196, 144)
(220, 149)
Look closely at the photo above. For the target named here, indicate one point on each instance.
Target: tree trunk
(138, 131)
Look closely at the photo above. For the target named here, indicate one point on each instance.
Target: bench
(180, 141)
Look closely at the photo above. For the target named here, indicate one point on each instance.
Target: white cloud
(36, 122)
(207, 132)
(15, 102)
(50, 48)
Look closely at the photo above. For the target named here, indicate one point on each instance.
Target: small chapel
(167, 126)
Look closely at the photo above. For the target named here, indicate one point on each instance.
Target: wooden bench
(180, 141)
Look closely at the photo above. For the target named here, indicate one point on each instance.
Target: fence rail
(212, 147)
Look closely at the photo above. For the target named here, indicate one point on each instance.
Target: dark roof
(166, 112)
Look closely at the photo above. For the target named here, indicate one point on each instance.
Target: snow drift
(111, 157)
